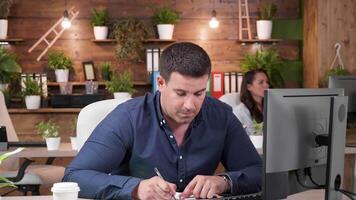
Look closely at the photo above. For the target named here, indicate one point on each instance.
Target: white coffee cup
(65, 191)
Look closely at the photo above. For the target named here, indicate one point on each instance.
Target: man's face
(182, 96)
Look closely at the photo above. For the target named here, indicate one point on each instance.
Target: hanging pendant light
(66, 22)
(213, 23)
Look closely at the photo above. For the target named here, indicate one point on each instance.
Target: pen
(160, 175)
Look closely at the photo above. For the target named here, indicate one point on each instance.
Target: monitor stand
(336, 147)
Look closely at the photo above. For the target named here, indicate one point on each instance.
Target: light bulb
(66, 22)
(213, 23)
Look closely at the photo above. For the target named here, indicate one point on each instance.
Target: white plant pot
(3, 28)
(257, 141)
(33, 101)
(73, 141)
(122, 95)
(264, 29)
(53, 143)
(100, 32)
(165, 31)
(62, 75)
(4, 86)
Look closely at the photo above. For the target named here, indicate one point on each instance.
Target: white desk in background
(308, 195)
(65, 150)
(31, 198)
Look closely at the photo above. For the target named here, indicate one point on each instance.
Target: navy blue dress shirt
(134, 139)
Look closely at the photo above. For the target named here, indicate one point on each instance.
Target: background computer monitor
(348, 83)
(293, 118)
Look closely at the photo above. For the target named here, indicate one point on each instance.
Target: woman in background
(250, 110)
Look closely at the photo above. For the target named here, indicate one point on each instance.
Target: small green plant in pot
(49, 131)
(8, 68)
(268, 60)
(61, 64)
(165, 19)
(32, 93)
(99, 21)
(4, 182)
(106, 71)
(121, 85)
(267, 12)
(5, 6)
(257, 138)
(337, 71)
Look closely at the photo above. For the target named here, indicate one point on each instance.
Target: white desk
(308, 195)
(65, 150)
(30, 198)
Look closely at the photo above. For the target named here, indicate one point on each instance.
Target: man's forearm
(94, 184)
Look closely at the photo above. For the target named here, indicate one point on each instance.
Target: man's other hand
(154, 188)
(205, 187)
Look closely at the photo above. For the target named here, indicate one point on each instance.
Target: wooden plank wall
(30, 19)
(325, 23)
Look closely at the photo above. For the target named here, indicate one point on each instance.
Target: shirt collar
(162, 121)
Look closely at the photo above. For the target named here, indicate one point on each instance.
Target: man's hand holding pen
(155, 188)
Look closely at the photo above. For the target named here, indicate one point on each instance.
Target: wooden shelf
(43, 110)
(273, 41)
(101, 83)
(11, 40)
(153, 40)
(104, 41)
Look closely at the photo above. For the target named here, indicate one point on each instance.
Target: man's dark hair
(185, 58)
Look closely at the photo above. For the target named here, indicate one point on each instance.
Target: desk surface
(65, 150)
(30, 198)
(308, 195)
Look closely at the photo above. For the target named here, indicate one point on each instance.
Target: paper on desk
(177, 195)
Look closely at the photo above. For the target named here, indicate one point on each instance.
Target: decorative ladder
(244, 14)
(72, 16)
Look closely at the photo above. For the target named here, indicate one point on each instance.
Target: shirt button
(171, 136)
(180, 157)
(181, 180)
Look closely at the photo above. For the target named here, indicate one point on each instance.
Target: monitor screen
(293, 160)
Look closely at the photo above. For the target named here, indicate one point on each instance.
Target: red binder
(217, 84)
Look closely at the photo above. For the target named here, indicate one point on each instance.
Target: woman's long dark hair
(246, 97)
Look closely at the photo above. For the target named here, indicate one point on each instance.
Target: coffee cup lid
(65, 187)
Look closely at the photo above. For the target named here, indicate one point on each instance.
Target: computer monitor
(348, 83)
(293, 159)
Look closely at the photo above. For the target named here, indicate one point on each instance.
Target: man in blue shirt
(179, 130)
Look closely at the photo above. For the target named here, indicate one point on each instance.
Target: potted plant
(49, 131)
(4, 182)
(121, 85)
(106, 71)
(99, 21)
(257, 137)
(59, 62)
(8, 68)
(4, 13)
(336, 71)
(32, 93)
(268, 60)
(130, 35)
(264, 25)
(165, 19)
